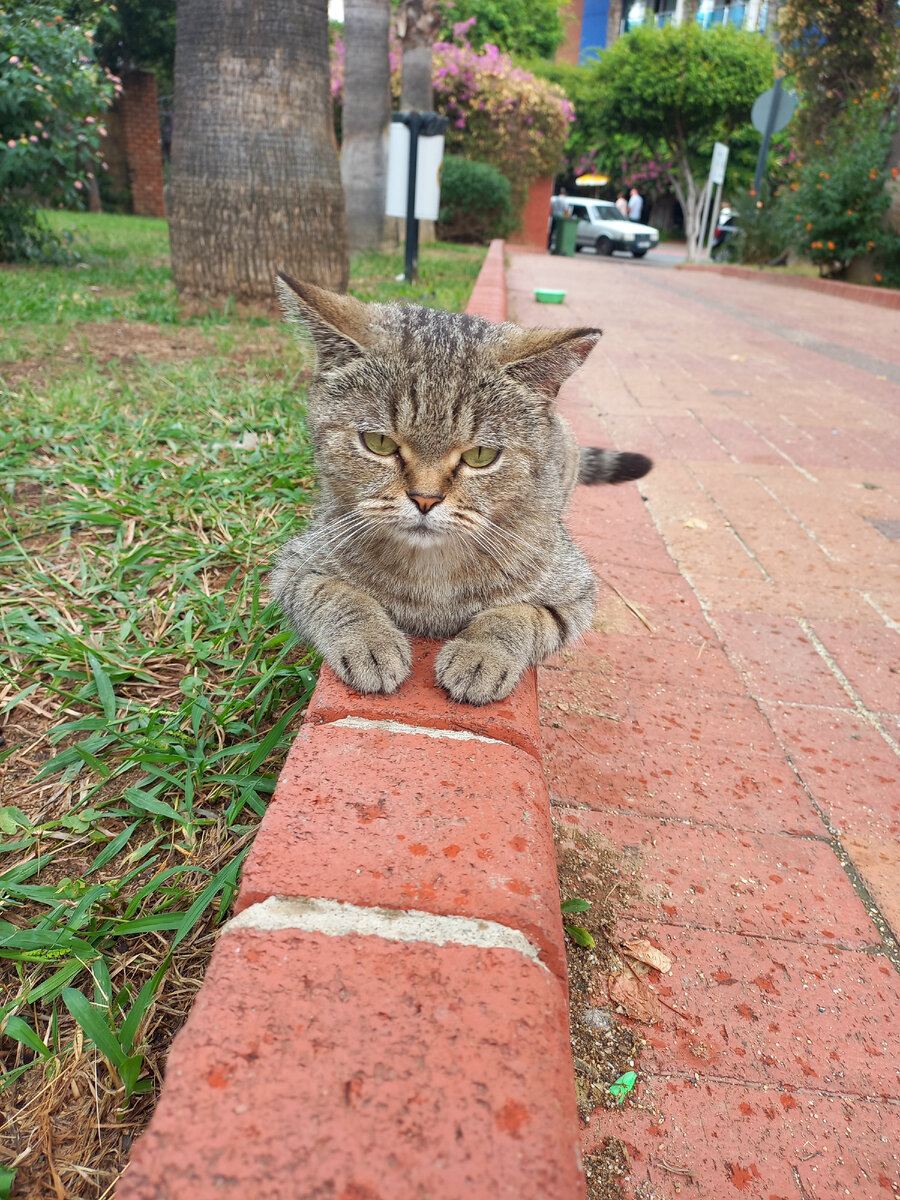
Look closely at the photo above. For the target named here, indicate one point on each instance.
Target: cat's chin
(420, 537)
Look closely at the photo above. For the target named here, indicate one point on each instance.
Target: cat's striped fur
(416, 541)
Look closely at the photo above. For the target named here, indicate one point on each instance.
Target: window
(580, 211)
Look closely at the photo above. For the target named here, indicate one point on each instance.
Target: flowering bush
(840, 196)
(498, 113)
(501, 114)
(52, 96)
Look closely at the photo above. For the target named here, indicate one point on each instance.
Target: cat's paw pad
(475, 672)
(371, 660)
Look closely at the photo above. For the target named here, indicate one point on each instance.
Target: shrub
(840, 196)
(52, 93)
(765, 225)
(475, 201)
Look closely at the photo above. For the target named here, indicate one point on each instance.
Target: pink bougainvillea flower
(78, 184)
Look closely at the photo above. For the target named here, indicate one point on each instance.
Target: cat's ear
(337, 324)
(543, 359)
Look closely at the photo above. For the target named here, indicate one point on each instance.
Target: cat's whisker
(340, 532)
(514, 540)
(492, 549)
(514, 545)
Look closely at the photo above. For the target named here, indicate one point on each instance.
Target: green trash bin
(566, 236)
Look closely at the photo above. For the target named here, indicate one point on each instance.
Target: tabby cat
(444, 471)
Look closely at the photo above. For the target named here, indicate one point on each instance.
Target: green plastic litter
(622, 1086)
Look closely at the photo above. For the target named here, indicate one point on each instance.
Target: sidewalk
(747, 746)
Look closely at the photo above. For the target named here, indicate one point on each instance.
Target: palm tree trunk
(417, 23)
(366, 119)
(255, 178)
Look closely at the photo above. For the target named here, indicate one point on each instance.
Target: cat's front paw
(371, 657)
(477, 672)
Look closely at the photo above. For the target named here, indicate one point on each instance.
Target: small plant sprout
(578, 933)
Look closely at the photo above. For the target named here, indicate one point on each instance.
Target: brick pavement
(748, 745)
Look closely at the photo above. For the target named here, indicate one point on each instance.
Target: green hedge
(475, 202)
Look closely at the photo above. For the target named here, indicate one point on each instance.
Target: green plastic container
(566, 236)
(549, 295)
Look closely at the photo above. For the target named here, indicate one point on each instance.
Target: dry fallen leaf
(738, 357)
(639, 1000)
(695, 523)
(646, 952)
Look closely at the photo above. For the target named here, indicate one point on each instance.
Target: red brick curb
(488, 297)
(883, 297)
(387, 1014)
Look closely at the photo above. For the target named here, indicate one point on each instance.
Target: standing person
(622, 204)
(635, 205)
(559, 206)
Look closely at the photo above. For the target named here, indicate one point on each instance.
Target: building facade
(595, 24)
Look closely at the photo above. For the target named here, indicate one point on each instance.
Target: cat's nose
(424, 503)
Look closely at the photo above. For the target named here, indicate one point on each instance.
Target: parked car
(602, 226)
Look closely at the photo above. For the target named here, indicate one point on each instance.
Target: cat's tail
(611, 466)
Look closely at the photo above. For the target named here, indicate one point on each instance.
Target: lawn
(148, 693)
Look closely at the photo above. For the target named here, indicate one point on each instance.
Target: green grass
(148, 693)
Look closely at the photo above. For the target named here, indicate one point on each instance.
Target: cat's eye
(480, 456)
(379, 443)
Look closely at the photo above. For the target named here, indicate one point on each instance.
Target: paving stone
(811, 600)
(869, 656)
(650, 664)
(777, 1012)
(878, 861)
(741, 789)
(713, 1139)
(770, 527)
(847, 766)
(764, 885)
(778, 659)
(743, 441)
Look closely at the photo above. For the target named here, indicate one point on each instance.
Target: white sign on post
(719, 163)
(429, 157)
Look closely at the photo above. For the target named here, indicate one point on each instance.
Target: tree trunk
(366, 119)
(417, 23)
(685, 187)
(893, 213)
(255, 178)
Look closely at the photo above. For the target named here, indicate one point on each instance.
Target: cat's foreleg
(485, 662)
(347, 626)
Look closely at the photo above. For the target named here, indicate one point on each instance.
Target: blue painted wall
(593, 28)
